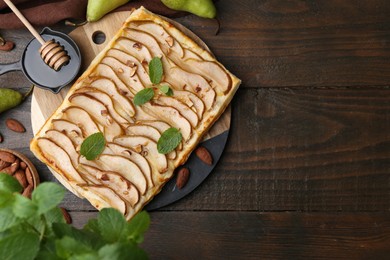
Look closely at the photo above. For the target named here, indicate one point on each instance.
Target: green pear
(202, 8)
(9, 98)
(96, 9)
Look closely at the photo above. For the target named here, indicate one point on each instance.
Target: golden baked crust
(130, 171)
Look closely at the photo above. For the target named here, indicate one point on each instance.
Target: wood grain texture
(251, 235)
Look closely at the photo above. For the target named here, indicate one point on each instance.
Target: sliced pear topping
(145, 130)
(189, 81)
(171, 116)
(106, 101)
(125, 168)
(99, 112)
(82, 119)
(146, 40)
(121, 104)
(162, 36)
(59, 159)
(103, 197)
(113, 180)
(71, 130)
(125, 73)
(186, 111)
(147, 148)
(190, 99)
(140, 52)
(135, 157)
(106, 71)
(65, 143)
(131, 62)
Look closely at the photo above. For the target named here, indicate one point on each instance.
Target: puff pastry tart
(131, 171)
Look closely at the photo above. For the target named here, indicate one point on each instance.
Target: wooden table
(306, 172)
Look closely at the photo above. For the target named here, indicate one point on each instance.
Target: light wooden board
(44, 103)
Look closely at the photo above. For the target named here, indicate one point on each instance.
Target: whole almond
(15, 125)
(29, 177)
(27, 191)
(204, 155)
(12, 168)
(23, 165)
(182, 177)
(67, 217)
(21, 177)
(4, 164)
(7, 157)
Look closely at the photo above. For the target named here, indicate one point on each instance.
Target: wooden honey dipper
(52, 53)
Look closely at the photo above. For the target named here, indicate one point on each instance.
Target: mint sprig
(169, 140)
(143, 96)
(93, 146)
(155, 70)
(36, 228)
(166, 90)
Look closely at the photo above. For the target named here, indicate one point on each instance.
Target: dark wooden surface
(306, 172)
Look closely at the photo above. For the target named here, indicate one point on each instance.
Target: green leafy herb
(169, 140)
(36, 228)
(8, 183)
(155, 70)
(93, 146)
(166, 90)
(143, 96)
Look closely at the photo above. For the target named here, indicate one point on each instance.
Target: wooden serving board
(44, 103)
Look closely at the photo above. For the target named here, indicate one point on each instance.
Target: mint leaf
(67, 247)
(87, 256)
(169, 140)
(7, 218)
(166, 90)
(93, 146)
(111, 224)
(23, 207)
(155, 70)
(21, 245)
(110, 252)
(143, 96)
(5, 197)
(54, 216)
(136, 228)
(47, 196)
(119, 251)
(90, 239)
(9, 183)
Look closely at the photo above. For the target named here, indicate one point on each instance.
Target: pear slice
(164, 38)
(178, 77)
(171, 116)
(106, 71)
(99, 112)
(121, 104)
(124, 188)
(188, 54)
(145, 147)
(145, 130)
(127, 75)
(126, 168)
(103, 197)
(82, 119)
(106, 101)
(145, 39)
(191, 100)
(135, 157)
(71, 130)
(132, 62)
(59, 159)
(134, 48)
(65, 143)
(185, 111)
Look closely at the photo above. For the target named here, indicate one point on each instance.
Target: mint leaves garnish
(143, 96)
(169, 140)
(93, 146)
(166, 90)
(155, 70)
(36, 229)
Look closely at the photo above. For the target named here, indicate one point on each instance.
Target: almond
(4, 164)
(29, 176)
(12, 168)
(15, 125)
(7, 157)
(7, 46)
(67, 217)
(182, 177)
(27, 191)
(23, 165)
(21, 177)
(204, 155)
